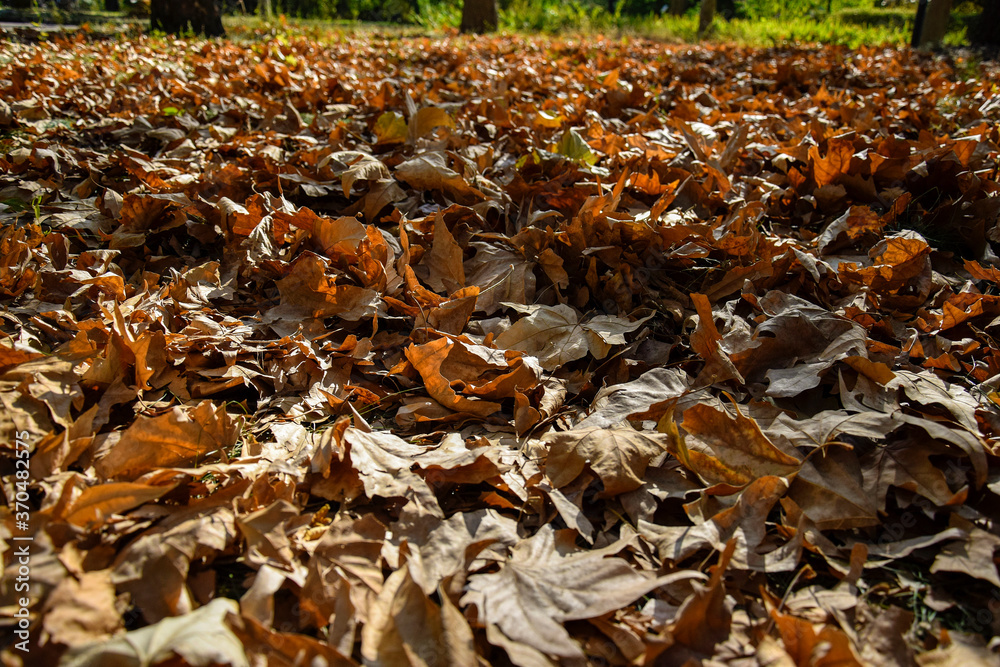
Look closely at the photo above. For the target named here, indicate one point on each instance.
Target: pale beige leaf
(430, 171)
(200, 638)
(972, 556)
(81, 609)
(405, 627)
(539, 588)
(552, 334)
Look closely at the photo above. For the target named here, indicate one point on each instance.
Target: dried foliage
(493, 351)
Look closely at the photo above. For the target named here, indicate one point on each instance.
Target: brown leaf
(164, 554)
(837, 161)
(540, 587)
(972, 556)
(285, 649)
(178, 438)
(703, 619)
(617, 456)
(309, 292)
(884, 643)
(829, 647)
(430, 171)
(406, 627)
(432, 360)
(831, 491)
(733, 450)
(96, 504)
(443, 263)
(705, 341)
(81, 610)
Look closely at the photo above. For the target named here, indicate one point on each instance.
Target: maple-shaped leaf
(430, 171)
(200, 638)
(617, 456)
(179, 437)
(573, 146)
(344, 571)
(544, 584)
(730, 449)
(556, 336)
(706, 342)
(442, 552)
(432, 360)
(384, 461)
(406, 627)
(837, 161)
(309, 291)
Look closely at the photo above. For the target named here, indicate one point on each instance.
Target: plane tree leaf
(540, 587)
(373, 332)
(617, 456)
(200, 638)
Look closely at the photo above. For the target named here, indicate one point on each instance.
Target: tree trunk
(706, 16)
(480, 16)
(935, 22)
(174, 16)
(677, 7)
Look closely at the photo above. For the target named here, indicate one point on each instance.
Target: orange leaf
(836, 162)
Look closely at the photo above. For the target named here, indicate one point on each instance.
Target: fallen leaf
(539, 588)
(201, 638)
(617, 456)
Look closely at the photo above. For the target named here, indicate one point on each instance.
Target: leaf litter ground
(498, 351)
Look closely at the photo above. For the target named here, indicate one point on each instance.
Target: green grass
(759, 23)
(773, 31)
(761, 32)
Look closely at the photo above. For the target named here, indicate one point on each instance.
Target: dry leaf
(201, 638)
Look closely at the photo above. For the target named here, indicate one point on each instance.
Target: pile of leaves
(499, 351)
